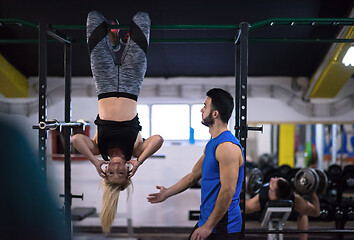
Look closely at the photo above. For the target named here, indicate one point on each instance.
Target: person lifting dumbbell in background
(280, 189)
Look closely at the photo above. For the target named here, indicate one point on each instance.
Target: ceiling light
(349, 57)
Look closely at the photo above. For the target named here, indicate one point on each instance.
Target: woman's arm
(143, 150)
(89, 148)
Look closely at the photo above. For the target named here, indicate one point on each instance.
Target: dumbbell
(309, 180)
(338, 213)
(348, 177)
(335, 172)
(326, 212)
(350, 213)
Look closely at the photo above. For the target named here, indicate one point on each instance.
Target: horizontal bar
(73, 196)
(58, 37)
(302, 21)
(176, 40)
(253, 27)
(154, 27)
(24, 41)
(195, 40)
(52, 125)
(255, 129)
(301, 40)
(312, 231)
(18, 22)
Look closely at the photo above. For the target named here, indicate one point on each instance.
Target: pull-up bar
(52, 30)
(252, 27)
(18, 22)
(155, 27)
(196, 40)
(303, 22)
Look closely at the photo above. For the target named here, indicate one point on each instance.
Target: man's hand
(158, 197)
(135, 165)
(201, 233)
(98, 165)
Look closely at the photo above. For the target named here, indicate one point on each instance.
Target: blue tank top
(210, 186)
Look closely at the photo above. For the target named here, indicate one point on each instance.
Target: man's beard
(208, 121)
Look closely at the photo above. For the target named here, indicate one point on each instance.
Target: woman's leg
(103, 61)
(134, 61)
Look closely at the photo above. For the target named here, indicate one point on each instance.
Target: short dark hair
(283, 189)
(222, 101)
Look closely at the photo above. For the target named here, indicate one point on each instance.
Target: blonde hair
(110, 202)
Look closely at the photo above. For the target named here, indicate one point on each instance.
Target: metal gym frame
(241, 73)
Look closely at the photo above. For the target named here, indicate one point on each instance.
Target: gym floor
(145, 233)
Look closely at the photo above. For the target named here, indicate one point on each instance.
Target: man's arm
(304, 207)
(303, 224)
(229, 157)
(252, 205)
(183, 184)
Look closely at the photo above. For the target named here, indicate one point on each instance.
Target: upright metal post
(237, 90)
(241, 69)
(342, 145)
(42, 89)
(67, 133)
(320, 136)
(243, 81)
(237, 122)
(334, 143)
(243, 103)
(243, 100)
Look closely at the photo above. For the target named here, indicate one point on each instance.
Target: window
(201, 132)
(171, 121)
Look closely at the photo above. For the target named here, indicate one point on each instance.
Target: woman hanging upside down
(118, 85)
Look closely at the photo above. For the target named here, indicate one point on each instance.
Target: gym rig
(240, 41)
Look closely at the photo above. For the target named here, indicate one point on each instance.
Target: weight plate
(284, 170)
(254, 181)
(271, 173)
(323, 181)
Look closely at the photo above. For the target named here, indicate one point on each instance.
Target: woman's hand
(135, 164)
(98, 165)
